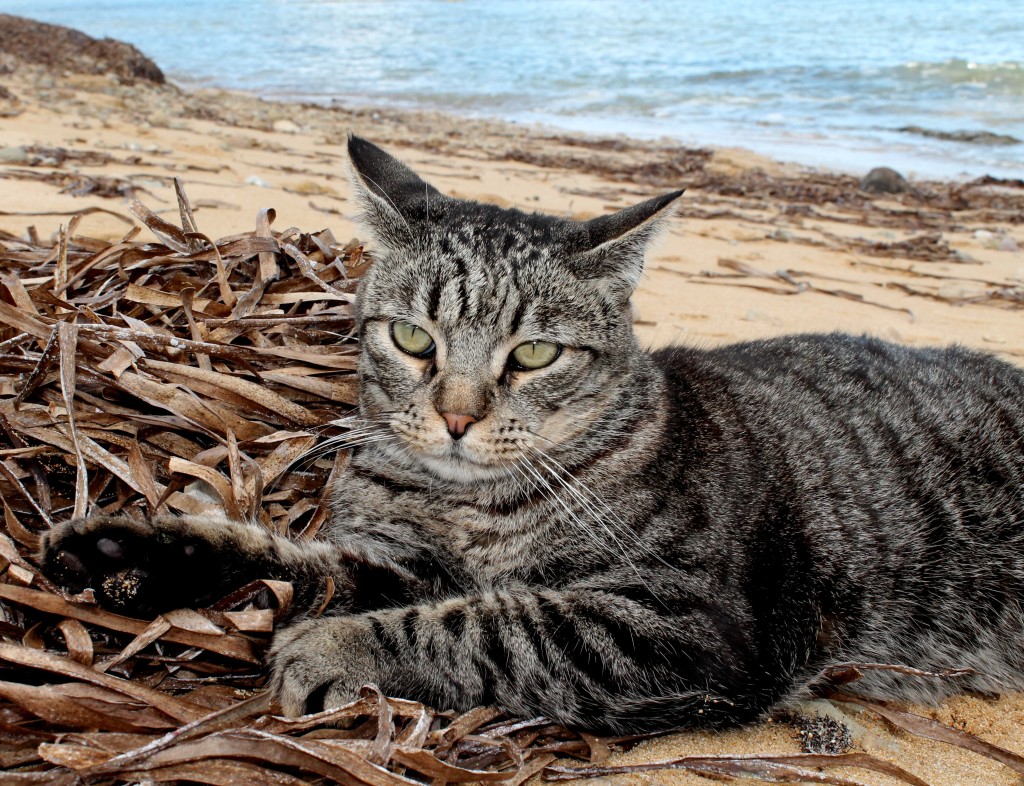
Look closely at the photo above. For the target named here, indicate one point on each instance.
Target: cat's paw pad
(133, 566)
(322, 663)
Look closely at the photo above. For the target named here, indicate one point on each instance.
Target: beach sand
(760, 248)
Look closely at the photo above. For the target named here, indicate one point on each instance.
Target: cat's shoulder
(831, 361)
(810, 349)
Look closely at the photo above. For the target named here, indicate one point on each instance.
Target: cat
(539, 514)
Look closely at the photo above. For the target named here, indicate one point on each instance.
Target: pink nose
(457, 424)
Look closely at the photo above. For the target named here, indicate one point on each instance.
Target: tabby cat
(541, 515)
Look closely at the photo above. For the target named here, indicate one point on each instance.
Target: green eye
(414, 340)
(535, 354)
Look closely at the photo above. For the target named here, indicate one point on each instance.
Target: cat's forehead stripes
(467, 276)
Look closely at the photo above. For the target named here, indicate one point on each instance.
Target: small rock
(1007, 243)
(286, 127)
(256, 180)
(957, 292)
(822, 734)
(13, 155)
(990, 239)
(311, 188)
(883, 180)
(753, 315)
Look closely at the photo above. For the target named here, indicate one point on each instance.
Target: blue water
(826, 83)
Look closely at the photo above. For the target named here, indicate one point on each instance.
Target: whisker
(574, 519)
(587, 499)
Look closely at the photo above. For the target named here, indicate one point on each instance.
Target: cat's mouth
(459, 464)
(462, 460)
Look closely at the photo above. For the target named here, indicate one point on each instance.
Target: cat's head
(489, 334)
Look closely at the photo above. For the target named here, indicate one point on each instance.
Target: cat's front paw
(322, 663)
(134, 567)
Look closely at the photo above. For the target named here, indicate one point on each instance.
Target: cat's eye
(412, 339)
(535, 354)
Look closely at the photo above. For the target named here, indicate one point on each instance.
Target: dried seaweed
(770, 768)
(785, 282)
(79, 184)
(933, 730)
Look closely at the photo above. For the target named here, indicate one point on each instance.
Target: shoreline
(814, 152)
(902, 154)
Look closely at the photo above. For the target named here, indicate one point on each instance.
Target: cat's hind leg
(143, 567)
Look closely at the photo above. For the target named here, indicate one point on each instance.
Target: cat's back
(859, 421)
(841, 381)
(893, 475)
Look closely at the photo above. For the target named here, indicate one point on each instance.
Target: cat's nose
(457, 424)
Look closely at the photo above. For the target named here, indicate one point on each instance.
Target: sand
(712, 279)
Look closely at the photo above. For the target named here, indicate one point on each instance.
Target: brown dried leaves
(125, 373)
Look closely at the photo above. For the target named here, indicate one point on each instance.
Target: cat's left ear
(614, 245)
(393, 198)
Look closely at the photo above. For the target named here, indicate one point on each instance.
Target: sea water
(828, 83)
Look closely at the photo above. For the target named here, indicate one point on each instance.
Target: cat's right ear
(393, 198)
(614, 245)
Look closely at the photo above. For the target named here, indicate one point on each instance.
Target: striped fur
(623, 541)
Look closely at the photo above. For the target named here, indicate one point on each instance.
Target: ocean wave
(967, 137)
(1005, 78)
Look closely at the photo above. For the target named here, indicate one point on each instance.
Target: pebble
(256, 180)
(286, 127)
(884, 180)
(754, 315)
(956, 292)
(999, 241)
(13, 155)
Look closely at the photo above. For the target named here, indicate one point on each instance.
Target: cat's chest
(496, 546)
(491, 543)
